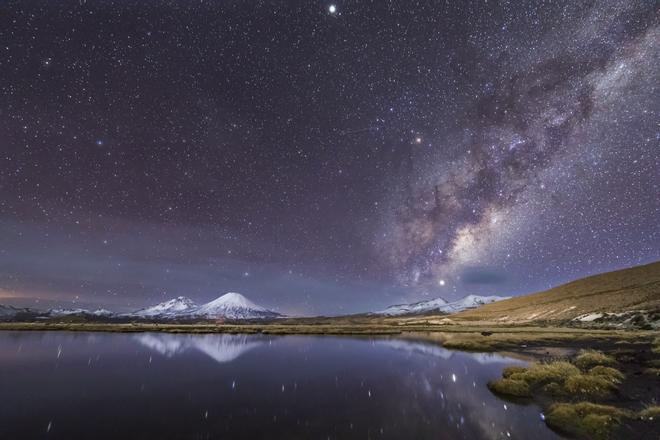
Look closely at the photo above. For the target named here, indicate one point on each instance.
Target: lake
(156, 385)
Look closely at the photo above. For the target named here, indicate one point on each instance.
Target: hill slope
(627, 292)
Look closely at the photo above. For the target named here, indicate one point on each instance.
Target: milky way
(530, 138)
(323, 157)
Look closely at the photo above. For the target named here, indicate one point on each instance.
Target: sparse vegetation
(557, 379)
(650, 413)
(611, 374)
(573, 394)
(589, 386)
(509, 371)
(656, 345)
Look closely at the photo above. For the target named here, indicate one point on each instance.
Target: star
(332, 9)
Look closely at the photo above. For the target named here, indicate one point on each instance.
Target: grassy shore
(472, 337)
(592, 394)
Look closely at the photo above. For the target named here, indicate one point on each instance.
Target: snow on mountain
(67, 312)
(233, 305)
(62, 312)
(229, 306)
(180, 306)
(418, 307)
(440, 305)
(472, 301)
(221, 348)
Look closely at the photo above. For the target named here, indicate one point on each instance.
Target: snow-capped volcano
(233, 305)
(440, 305)
(229, 306)
(180, 306)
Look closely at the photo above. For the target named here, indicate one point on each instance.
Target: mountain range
(624, 298)
(440, 305)
(231, 306)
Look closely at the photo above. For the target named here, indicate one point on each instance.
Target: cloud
(483, 275)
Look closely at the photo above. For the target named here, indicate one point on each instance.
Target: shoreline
(466, 337)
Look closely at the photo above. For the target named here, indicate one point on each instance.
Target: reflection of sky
(431, 349)
(240, 386)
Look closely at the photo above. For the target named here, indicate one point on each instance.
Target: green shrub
(584, 420)
(591, 358)
(611, 374)
(510, 387)
(587, 385)
(508, 371)
(541, 374)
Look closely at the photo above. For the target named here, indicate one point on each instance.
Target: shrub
(587, 385)
(584, 420)
(611, 374)
(508, 371)
(510, 387)
(541, 374)
(591, 358)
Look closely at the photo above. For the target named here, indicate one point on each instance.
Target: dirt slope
(634, 289)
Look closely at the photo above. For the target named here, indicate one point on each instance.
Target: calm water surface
(162, 386)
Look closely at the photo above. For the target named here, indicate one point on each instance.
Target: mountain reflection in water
(61, 385)
(221, 348)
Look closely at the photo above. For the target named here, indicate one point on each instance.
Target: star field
(323, 157)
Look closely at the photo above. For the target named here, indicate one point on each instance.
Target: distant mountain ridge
(78, 312)
(175, 307)
(231, 306)
(9, 311)
(440, 305)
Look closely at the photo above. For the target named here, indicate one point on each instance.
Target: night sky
(323, 157)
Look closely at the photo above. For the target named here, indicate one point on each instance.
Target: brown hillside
(637, 288)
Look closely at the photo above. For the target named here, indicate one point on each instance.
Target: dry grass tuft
(584, 419)
(591, 358)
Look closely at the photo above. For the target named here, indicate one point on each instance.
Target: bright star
(441, 282)
(332, 9)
